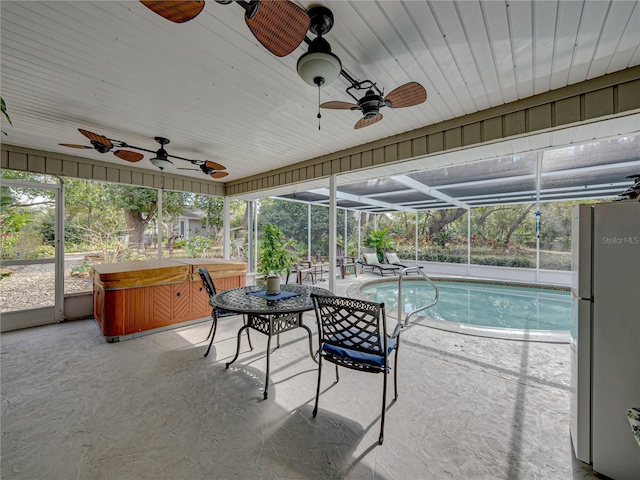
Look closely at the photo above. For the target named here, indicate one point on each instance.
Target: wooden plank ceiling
(117, 69)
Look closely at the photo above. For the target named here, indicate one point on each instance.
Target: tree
(441, 218)
(213, 211)
(290, 217)
(12, 219)
(140, 206)
(82, 198)
(516, 223)
(484, 212)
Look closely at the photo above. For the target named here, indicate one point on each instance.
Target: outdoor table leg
(266, 380)
(310, 343)
(243, 328)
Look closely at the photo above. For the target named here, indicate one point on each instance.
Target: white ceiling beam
(365, 200)
(432, 192)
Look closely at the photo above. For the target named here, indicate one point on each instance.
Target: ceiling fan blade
(185, 168)
(406, 95)
(71, 145)
(280, 26)
(214, 165)
(365, 122)
(94, 137)
(339, 105)
(219, 175)
(128, 155)
(177, 12)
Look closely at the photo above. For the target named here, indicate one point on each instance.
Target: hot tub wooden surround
(135, 298)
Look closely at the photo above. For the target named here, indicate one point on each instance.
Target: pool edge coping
(543, 336)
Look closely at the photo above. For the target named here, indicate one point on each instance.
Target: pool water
(481, 304)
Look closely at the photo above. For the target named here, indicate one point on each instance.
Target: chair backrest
(351, 323)
(339, 250)
(298, 267)
(391, 257)
(368, 250)
(206, 281)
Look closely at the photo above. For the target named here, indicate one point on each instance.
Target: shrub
(197, 247)
(45, 251)
(83, 270)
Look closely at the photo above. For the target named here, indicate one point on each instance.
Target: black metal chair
(353, 334)
(216, 313)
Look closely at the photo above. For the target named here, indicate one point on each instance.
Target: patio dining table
(269, 315)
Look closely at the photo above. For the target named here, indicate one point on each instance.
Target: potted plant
(379, 240)
(274, 258)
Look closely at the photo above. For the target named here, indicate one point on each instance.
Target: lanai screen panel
(485, 171)
(590, 170)
(372, 187)
(603, 154)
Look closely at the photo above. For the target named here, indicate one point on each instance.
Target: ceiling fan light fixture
(161, 162)
(319, 67)
(161, 159)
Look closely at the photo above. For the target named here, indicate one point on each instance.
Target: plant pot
(273, 285)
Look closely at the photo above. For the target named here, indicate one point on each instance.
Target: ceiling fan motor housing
(206, 170)
(101, 147)
(370, 104)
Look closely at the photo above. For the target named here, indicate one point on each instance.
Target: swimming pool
(489, 309)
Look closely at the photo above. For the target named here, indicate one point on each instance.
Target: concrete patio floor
(74, 406)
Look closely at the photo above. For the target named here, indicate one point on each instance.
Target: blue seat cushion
(360, 357)
(225, 313)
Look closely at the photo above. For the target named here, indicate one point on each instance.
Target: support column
(159, 232)
(250, 264)
(468, 241)
(417, 218)
(309, 231)
(333, 220)
(345, 238)
(226, 229)
(256, 236)
(538, 214)
(359, 236)
(58, 313)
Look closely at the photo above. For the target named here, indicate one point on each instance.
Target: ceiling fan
(280, 26)
(103, 145)
(407, 95)
(320, 67)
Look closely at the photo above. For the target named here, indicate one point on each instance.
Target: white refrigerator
(605, 336)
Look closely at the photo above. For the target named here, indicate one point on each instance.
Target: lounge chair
(364, 250)
(392, 259)
(371, 260)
